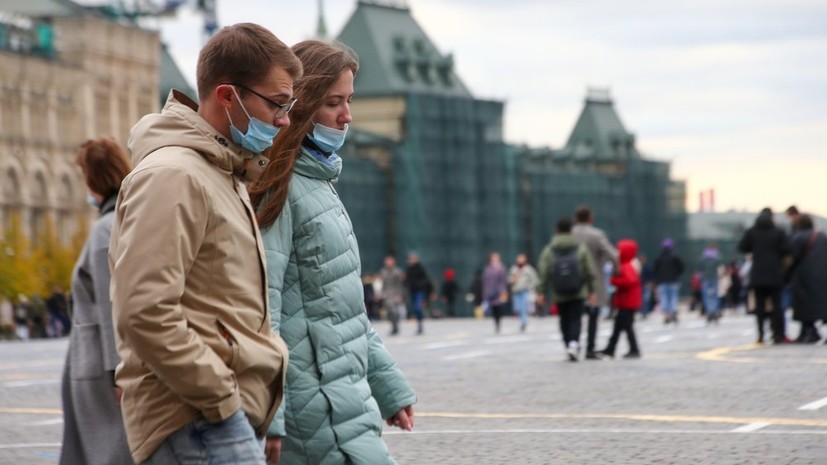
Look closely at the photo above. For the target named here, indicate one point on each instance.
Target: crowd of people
(217, 312)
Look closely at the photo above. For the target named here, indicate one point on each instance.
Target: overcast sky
(733, 92)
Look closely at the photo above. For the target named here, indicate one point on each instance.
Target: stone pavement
(699, 395)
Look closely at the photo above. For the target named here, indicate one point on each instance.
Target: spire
(321, 29)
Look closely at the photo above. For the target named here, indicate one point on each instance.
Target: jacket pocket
(85, 353)
(231, 349)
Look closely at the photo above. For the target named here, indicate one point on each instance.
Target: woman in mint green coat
(341, 381)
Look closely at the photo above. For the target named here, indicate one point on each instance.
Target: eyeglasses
(281, 108)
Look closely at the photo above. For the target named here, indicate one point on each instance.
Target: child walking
(627, 299)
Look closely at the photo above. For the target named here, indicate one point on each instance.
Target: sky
(732, 92)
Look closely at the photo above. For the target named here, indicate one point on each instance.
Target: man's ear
(223, 94)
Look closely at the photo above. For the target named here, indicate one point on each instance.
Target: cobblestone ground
(699, 395)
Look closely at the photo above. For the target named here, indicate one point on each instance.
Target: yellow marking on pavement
(33, 363)
(721, 355)
(32, 410)
(637, 417)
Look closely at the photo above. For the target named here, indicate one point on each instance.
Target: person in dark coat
(448, 291)
(419, 285)
(809, 279)
(768, 245)
(93, 429)
(668, 271)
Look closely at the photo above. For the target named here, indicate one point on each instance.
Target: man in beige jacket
(202, 373)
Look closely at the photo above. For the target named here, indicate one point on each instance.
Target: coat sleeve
(99, 269)
(387, 383)
(589, 268)
(626, 277)
(607, 250)
(278, 246)
(545, 264)
(156, 242)
(745, 244)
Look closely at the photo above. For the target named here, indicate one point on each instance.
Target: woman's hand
(403, 419)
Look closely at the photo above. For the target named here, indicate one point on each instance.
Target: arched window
(65, 198)
(39, 206)
(9, 196)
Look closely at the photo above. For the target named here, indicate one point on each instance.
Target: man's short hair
(563, 225)
(805, 221)
(792, 210)
(583, 214)
(244, 53)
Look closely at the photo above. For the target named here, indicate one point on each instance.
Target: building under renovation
(429, 171)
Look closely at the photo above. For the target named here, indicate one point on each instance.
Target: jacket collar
(314, 164)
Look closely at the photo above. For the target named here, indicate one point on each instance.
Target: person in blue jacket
(341, 380)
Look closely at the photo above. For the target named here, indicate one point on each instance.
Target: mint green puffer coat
(341, 381)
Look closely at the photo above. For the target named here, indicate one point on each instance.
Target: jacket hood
(627, 250)
(180, 125)
(764, 220)
(563, 241)
(314, 164)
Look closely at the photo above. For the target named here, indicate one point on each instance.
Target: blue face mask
(259, 134)
(92, 201)
(329, 139)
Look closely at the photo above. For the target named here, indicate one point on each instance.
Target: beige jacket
(601, 251)
(189, 288)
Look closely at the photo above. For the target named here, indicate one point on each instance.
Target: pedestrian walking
(627, 300)
(567, 270)
(341, 380)
(668, 271)
(602, 253)
(809, 279)
(523, 279)
(419, 289)
(393, 292)
(93, 428)
(647, 279)
(495, 289)
(709, 266)
(769, 246)
(448, 291)
(202, 371)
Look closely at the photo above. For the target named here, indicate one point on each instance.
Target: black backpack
(566, 278)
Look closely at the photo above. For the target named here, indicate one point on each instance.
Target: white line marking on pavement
(814, 405)
(16, 384)
(34, 445)
(479, 353)
(607, 431)
(442, 345)
(506, 339)
(752, 427)
(663, 339)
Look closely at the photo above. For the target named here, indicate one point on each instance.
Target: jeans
(710, 296)
(520, 303)
(230, 442)
(571, 318)
(668, 295)
(418, 305)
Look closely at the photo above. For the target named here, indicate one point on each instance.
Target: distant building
(427, 168)
(67, 74)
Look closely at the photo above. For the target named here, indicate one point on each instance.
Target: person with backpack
(627, 299)
(568, 271)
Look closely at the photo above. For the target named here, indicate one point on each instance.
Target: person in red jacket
(628, 298)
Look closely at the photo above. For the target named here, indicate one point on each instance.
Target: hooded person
(769, 246)
(627, 299)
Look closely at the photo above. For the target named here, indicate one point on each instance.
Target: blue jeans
(668, 295)
(519, 300)
(230, 442)
(710, 290)
(418, 304)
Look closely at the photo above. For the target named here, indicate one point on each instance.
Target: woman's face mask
(328, 139)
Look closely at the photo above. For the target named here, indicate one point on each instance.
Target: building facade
(66, 75)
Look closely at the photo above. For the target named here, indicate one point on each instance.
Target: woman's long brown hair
(323, 63)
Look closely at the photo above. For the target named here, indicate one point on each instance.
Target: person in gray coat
(93, 430)
(602, 251)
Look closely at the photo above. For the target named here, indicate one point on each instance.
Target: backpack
(566, 278)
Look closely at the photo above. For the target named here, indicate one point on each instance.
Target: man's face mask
(259, 134)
